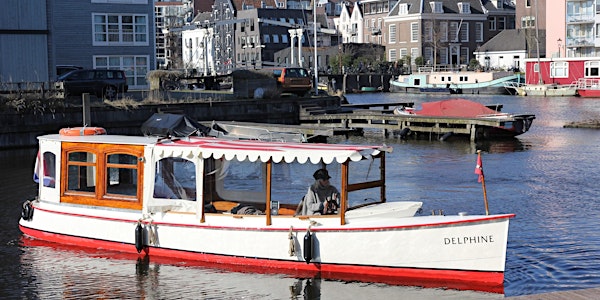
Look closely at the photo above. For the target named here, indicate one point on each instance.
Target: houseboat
(454, 82)
(562, 76)
(229, 202)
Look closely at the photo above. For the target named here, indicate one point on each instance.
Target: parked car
(292, 80)
(102, 83)
(62, 69)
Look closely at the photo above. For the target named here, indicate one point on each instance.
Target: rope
(151, 234)
(292, 250)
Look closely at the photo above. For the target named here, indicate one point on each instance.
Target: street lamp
(559, 41)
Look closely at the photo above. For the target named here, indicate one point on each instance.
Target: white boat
(179, 198)
(548, 90)
(454, 82)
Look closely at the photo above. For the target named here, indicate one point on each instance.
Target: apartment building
(103, 34)
(443, 32)
(350, 24)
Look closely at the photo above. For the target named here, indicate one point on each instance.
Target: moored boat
(547, 90)
(235, 202)
(511, 125)
(588, 88)
(461, 82)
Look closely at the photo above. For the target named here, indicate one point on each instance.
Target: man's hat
(321, 174)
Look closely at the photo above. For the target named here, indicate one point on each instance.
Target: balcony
(580, 18)
(375, 31)
(580, 42)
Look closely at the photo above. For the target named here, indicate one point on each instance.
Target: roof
(236, 149)
(240, 4)
(506, 40)
(265, 151)
(449, 6)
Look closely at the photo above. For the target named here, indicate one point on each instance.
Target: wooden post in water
(87, 119)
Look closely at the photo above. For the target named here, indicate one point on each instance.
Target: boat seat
(286, 211)
(224, 205)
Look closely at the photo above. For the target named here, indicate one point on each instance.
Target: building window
(559, 69)
(444, 31)
(444, 56)
(501, 23)
(414, 32)
(493, 24)
(135, 67)
(528, 22)
(428, 32)
(392, 33)
(414, 53)
(464, 55)
(428, 55)
(403, 53)
(592, 69)
(479, 32)
(464, 8)
(393, 55)
(436, 7)
(454, 31)
(115, 29)
(464, 32)
(403, 9)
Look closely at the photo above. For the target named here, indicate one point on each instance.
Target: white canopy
(264, 151)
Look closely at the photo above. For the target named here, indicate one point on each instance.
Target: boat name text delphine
(469, 240)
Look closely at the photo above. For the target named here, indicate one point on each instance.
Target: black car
(102, 83)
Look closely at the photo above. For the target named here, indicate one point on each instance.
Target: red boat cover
(454, 108)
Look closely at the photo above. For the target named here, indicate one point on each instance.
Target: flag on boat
(479, 167)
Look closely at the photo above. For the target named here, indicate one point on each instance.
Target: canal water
(548, 177)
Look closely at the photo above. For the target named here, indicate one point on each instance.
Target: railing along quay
(353, 117)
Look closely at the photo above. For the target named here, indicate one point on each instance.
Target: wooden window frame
(100, 196)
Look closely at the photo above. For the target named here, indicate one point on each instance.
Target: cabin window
(175, 178)
(49, 169)
(365, 178)
(46, 172)
(559, 69)
(102, 175)
(81, 172)
(592, 69)
(121, 175)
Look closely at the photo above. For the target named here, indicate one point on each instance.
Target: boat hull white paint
(431, 242)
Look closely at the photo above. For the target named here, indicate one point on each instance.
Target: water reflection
(93, 273)
(502, 146)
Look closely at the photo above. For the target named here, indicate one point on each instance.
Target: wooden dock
(364, 116)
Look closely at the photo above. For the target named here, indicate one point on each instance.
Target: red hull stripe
(431, 278)
(482, 219)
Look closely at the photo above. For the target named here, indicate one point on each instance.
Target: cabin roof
(237, 149)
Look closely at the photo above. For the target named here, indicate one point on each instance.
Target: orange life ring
(79, 131)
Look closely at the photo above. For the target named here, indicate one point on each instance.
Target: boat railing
(587, 83)
(513, 84)
(431, 69)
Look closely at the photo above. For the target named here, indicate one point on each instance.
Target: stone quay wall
(21, 129)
